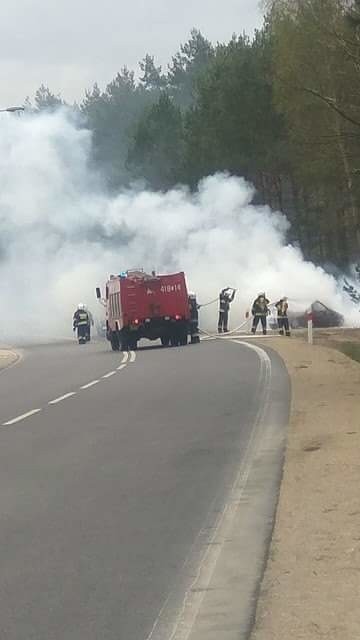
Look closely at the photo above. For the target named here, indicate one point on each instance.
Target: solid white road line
(264, 358)
(125, 357)
(187, 615)
(122, 366)
(90, 384)
(19, 418)
(108, 375)
(67, 395)
(132, 356)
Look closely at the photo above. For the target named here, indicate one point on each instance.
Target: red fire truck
(153, 306)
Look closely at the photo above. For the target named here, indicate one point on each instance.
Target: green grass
(351, 349)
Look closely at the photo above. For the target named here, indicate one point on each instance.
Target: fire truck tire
(114, 341)
(183, 339)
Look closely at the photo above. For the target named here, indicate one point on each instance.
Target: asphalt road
(111, 470)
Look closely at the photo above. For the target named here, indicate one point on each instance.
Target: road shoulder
(8, 357)
(225, 597)
(310, 587)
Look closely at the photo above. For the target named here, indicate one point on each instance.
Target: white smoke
(61, 234)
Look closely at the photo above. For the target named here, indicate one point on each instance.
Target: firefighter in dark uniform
(91, 323)
(282, 316)
(194, 318)
(260, 312)
(82, 321)
(226, 297)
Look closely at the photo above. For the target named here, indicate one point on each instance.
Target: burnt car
(322, 316)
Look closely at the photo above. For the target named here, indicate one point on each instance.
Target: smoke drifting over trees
(62, 233)
(249, 128)
(280, 109)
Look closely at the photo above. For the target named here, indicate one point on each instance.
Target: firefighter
(194, 318)
(194, 309)
(282, 316)
(82, 322)
(226, 297)
(90, 323)
(260, 311)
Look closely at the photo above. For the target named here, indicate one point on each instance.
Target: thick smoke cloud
(61, 234)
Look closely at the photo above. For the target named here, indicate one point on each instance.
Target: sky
(70, 44)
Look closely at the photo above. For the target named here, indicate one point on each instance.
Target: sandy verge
(311, 585)
(7, 358)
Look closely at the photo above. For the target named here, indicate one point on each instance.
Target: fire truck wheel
(174, 341)
(114, 341)
(183, 339)
(133, 345)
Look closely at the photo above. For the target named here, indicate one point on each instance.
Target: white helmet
(192, 294)
(81, 306)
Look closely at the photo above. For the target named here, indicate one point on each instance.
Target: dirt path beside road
(311, 585)
(7, 358)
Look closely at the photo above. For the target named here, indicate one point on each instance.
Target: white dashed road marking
(22, 417)
(127, 357)
(67, 395)
(90, 384)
